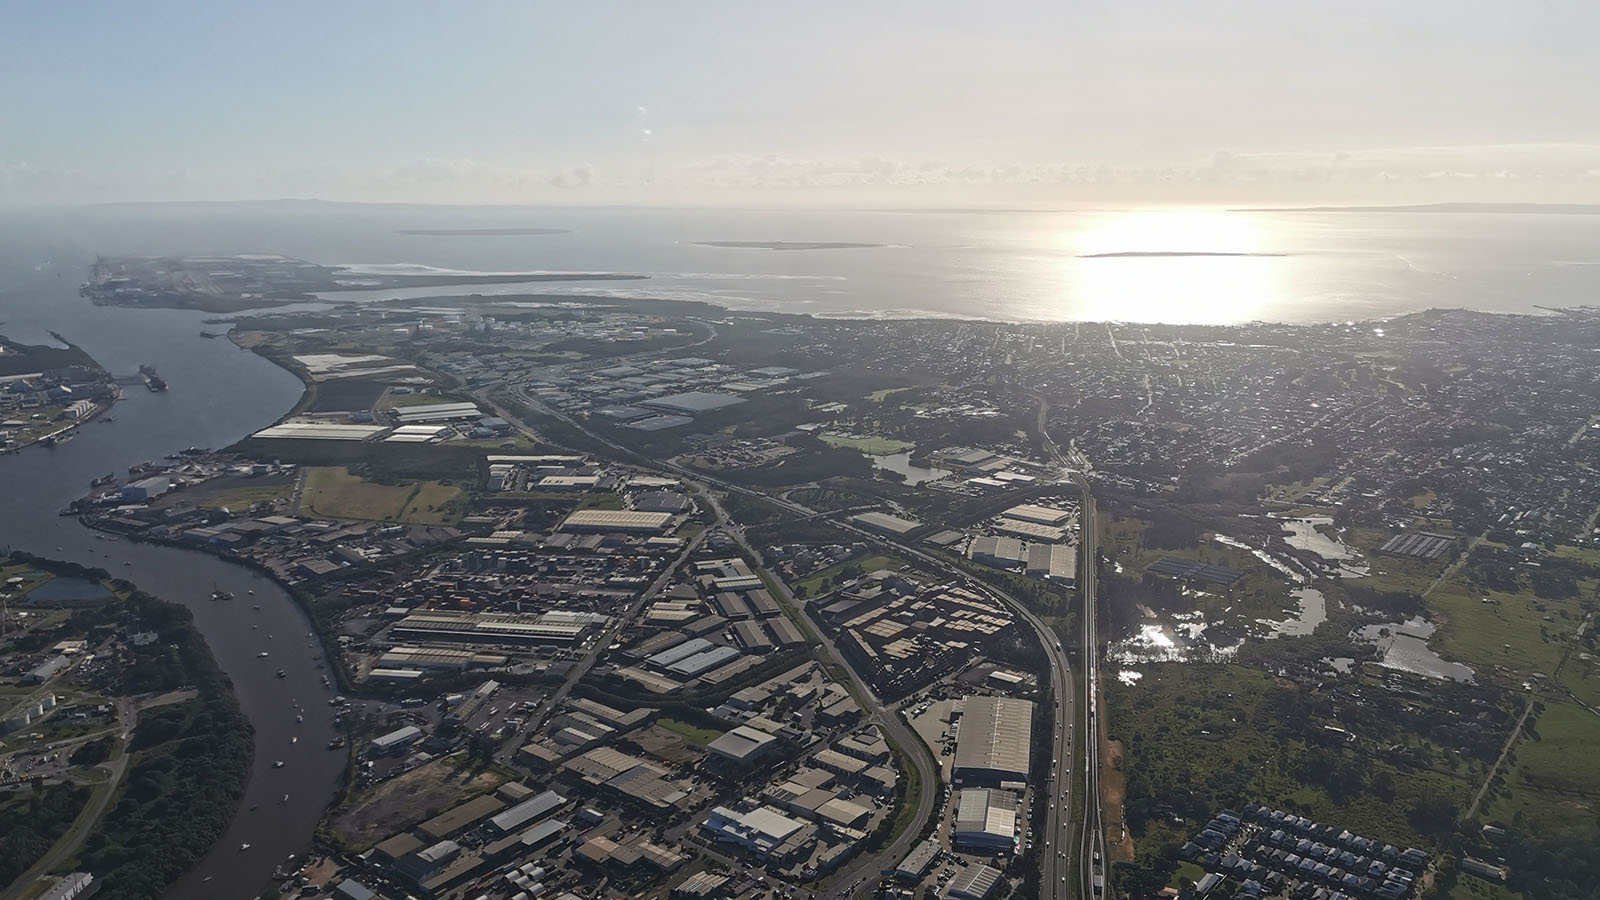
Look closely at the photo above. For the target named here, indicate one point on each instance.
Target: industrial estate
(651, 599)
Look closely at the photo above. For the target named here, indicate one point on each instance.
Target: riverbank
(156, 805)
(47, 392)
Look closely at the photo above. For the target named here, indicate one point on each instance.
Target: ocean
(1139, 265)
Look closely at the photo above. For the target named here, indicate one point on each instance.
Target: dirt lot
(414, 797)
(666, 745)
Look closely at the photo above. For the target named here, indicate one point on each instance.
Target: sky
(932, 102)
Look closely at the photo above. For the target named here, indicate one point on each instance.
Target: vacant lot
(667, 745)
(871, 445)
(346, 396)
(237, 493)
(334, 492)
(411, 798)
(691, 734)
(824, 580)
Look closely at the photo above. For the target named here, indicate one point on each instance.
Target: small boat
(218, 594)
(277, 764)
(285, 799)
(282, 674)
(128, 564)
(262, 655)
(243, 847)
(207, 878)
(254, 626)
(252, 591)
(295, 739)
(299, 719)
(256, 607)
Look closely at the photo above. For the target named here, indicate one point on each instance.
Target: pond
(66, 590)
(1304, 534)
(1404, 646)
(901, 463)
(1313, 611)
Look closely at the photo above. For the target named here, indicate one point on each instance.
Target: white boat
(262, 655)
(243, 847)
(277, 764)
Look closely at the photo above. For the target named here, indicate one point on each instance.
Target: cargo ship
(151, 380)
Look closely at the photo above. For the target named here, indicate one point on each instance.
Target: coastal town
(660, 600)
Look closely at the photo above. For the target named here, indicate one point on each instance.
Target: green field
(333, 492)
(813, 584)
(872, 446)
(1206, 733)
(1552, 786)
(879, 396)
(691, 734)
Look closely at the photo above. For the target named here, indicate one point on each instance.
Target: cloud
(1558, 170)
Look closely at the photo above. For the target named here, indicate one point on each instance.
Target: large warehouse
(986, 821)
(885, 523)
(616, 520)
(994, 741)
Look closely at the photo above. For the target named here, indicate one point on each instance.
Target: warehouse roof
(617, 519)
(995, 736)
(693, 402)
(742, 743)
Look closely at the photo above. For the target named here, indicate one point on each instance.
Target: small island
(1157, 254)
(787, 245)
(481, 232)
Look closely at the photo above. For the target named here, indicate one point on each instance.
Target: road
(547, 706)
(1087, 852)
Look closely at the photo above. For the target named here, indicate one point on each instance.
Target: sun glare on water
(1186, 267)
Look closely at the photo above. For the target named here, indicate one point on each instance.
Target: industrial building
(1032, 531)
(919, 861)
(488, 628)
(1000, 552)
(885, 523)
(763, 830)
(973, 883)
(1038, 514)
(742, 745)
(693, 402)
(319, 431)
(527, 811)
(704, 661)
(623, 520)
(396, 741)
(995, 741)
(986, 821)
(1056, 562)
(1192, 570)
(435, 412)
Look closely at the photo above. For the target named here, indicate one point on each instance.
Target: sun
(1172, 266)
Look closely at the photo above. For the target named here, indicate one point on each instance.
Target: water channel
(218, 394)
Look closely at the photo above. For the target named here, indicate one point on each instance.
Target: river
(218, 394)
